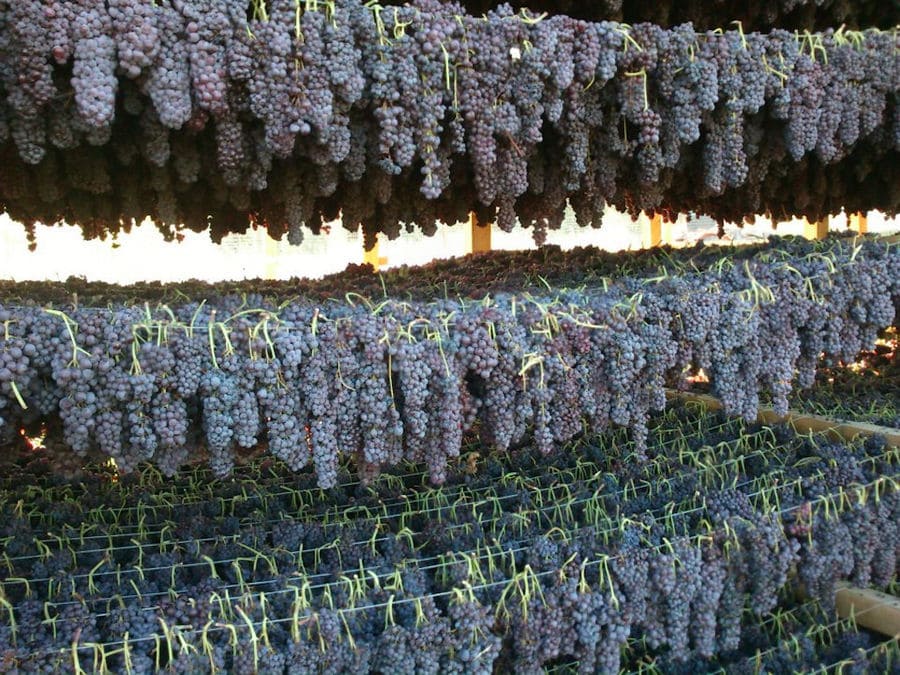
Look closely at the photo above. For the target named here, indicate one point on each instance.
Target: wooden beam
(817, 229)
(479, 235)
(870, 608)
(652, 232)
(858, 222)
(804, 423)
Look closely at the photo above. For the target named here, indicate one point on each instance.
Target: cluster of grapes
(267, 573)
(197, 116)
(315, 383)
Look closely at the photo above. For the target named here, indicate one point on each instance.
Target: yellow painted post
(652, 234)
(668, 232)
(372, 257)
(817, 229)
(859, 222)
(479, 235)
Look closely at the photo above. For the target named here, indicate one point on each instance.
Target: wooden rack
(804, 423)
(871, 609)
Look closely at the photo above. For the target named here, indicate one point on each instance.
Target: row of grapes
(201, 114)
(866, 389)
(585, 562)
(382, 380)
(477, 466)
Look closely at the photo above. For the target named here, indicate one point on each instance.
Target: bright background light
(143, 255)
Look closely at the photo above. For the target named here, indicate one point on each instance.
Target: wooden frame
(805, 423)
(869, 608)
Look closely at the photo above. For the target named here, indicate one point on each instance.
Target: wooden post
(372, 256)
(817, 229)
(271, 254)
(652, 234)
(859, 222)
(479, 235)
(871, 609)
(668, 232)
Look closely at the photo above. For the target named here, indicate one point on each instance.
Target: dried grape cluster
(202, 115)
(382, 382)
(596, 563)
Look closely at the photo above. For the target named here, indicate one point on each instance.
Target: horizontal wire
(547, 510)
(312, 492)
(466, 507)
(439, 561)
(434, 562)
(544, 511)
(461, 492)
(611, 434)
(438, 595)
(207, 482)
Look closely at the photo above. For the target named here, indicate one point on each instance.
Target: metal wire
(456, 490)
(404, 601)
(470, 506)
(434, 561)
(350, 484)
(372, 541)
(439, 561)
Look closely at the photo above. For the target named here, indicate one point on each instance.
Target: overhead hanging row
(199, 116)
